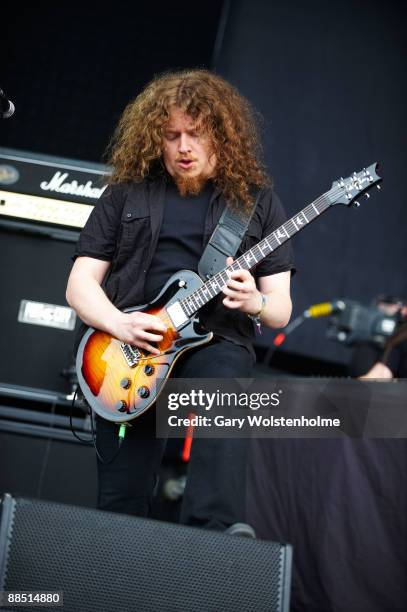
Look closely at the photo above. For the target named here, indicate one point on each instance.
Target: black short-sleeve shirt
(124, 228)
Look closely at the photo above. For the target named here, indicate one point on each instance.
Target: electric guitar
(121, 381)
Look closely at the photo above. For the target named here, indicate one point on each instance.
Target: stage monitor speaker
(110, 562)
(33, 267)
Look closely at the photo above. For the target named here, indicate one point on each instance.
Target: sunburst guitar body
(120, 381)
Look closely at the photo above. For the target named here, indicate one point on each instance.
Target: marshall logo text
(58, 184)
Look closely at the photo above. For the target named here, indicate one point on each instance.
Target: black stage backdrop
(329, 80)
(71, 68)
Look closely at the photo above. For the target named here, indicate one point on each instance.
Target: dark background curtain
(71, 68)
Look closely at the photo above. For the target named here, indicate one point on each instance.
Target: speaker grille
(103, 561)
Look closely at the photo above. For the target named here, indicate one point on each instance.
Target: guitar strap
(225, 240)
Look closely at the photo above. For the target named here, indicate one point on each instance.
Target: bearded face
(187, 153)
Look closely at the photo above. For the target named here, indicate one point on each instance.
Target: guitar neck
(198, 298)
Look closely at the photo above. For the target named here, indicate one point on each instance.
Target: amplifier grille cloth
(109, 562)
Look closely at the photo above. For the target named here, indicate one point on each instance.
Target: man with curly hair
(183, 149)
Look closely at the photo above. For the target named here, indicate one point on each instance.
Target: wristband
(256, 317)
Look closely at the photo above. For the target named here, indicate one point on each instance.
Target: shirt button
(128, 215)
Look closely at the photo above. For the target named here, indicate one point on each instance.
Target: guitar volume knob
(125, 383)
(148, 370)
(143, 392)
(121, 406)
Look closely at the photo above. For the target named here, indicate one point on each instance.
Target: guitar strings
(321, 200)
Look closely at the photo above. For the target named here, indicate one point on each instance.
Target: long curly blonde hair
(135, 151)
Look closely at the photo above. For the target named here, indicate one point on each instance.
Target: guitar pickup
(177, 315)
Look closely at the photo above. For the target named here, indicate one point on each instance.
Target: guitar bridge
(130, 353)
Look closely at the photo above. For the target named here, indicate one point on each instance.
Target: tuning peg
(367, 195)
(378, 186)
(356, 204)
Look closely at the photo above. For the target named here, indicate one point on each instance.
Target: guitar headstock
(345, 191)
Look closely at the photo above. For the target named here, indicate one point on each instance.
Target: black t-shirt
(180, 242)
(126, 226)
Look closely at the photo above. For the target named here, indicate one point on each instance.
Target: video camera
(353, 323)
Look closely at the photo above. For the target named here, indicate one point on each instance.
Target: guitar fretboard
(201, 296)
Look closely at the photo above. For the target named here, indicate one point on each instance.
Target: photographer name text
(251, 420)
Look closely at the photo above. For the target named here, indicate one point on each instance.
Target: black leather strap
(225, 240)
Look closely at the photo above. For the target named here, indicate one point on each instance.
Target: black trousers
(215, 495)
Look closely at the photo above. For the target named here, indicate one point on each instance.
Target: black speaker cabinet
(47, 468)
(109, 562)
(33, 267)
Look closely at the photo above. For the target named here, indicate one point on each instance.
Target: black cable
(99, 456)
(92, 440)
(82, 440)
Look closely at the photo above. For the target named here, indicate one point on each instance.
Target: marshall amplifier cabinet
(44, 191)
(44, 202)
